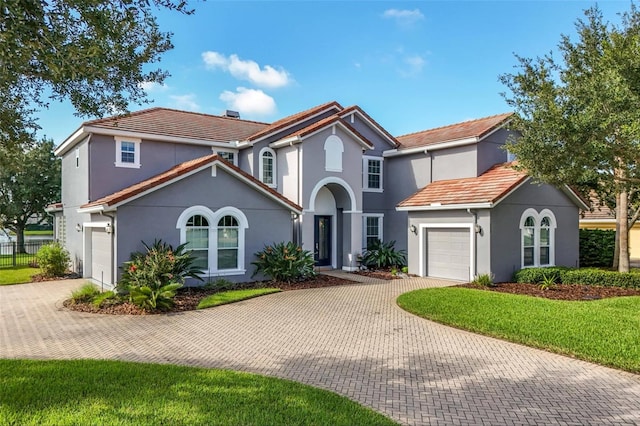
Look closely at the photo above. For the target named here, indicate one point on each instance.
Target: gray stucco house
(329, 178)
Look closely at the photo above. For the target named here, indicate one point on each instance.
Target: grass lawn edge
(233, 296)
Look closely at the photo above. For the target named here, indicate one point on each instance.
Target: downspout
(298, 224)
(475, 241)
(113, 232)
(426, 151)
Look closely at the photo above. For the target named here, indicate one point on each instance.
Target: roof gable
(355, 109)
(112, 201)
(318, 126)
(469, 129)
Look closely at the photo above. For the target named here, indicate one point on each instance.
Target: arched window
(268, 167)
(538, 238)
(215, 238)
(333, 149)
(197, 239)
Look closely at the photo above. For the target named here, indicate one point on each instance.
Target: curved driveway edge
(352, 339)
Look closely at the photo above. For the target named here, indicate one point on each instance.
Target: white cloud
(248, 70)
(251, 102)
(152, 86)
(186, 102)
(403, 16)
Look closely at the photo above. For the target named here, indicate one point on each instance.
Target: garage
(448, 253)
(100, 255)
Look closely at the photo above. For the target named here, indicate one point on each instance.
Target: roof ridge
(506, 114)
(158, 108)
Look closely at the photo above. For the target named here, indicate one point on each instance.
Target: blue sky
(410, 65)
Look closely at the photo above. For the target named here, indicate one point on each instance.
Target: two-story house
(330, 178)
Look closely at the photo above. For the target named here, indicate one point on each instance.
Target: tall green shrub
(285, 262)
(597, 247)
(53, 260)
(383, 255)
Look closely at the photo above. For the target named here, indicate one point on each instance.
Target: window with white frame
(537, 238)
(127, 153)
(268, 167)
(229, 156)
(333, 149)
(371, 229)
(372, 174)
(215, 238)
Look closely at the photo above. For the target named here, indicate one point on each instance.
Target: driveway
(352, 340)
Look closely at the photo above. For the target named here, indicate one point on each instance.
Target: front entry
(322, 240)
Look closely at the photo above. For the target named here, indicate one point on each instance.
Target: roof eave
(434, 207)
(71, 141)
(433, 147)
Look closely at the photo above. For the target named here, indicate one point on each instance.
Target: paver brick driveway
(353, 340)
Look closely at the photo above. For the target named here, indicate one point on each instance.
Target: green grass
(122, 393)
(604, 331)
(234, 296)
(17, 275)
(39, 232)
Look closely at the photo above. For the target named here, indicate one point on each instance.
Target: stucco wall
(491, 151)
(155, 215)
(506, 236)
(455, 163)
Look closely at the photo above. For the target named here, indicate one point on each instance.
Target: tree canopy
(93, 53)
(29, 181)
(579, 116)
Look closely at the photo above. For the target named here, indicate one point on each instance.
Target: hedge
(585, 276)
(597, 247)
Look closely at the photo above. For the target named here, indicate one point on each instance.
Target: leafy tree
(89, 52)
(29, 181)
(579, 117)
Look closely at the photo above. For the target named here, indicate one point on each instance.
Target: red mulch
(560, 291)
(187, 298)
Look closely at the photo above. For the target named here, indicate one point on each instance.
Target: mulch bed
(38, 278)
(187, 298)
(560, 291)
(381, 274)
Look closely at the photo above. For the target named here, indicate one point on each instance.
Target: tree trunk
(616, 244)
(19, 229)
(622, 223)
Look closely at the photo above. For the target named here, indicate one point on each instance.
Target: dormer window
(268, 167)
(228, 156)
(128, 153)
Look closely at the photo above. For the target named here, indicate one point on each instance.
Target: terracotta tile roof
(345, 112)
(598, 211)
(54, 207)
(292, 119)
(185, 124)
(324, 123)
(489, 187)
(468, 129)
(174, 173)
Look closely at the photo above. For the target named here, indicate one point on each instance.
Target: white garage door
(100, 255)
(448, 253)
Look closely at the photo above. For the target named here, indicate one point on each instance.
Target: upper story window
(333, 149)
(537, 238)
(268, 167)
(128, 153)
(229, 156)
(372, 174)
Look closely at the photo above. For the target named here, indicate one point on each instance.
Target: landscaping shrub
(285, 262)
(383, 255)
(593, 276)
(540, 275)
(53, 260)
(597, 247)
(484, 280)
(151, 279)
(85, 294)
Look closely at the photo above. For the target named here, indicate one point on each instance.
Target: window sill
(128, 165)
(224, 272)
(372, 190)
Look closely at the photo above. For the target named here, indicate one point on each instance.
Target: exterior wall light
(413, 229)
(78, 227)
(107, 228)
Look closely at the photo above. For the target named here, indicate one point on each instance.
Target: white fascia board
(285, 142)
(70, 142)
(53, 209)
(373, 126)
(95, 224)
(433, 147)
(571, 194)
(445, 207)
(92, 209)
(514, 189)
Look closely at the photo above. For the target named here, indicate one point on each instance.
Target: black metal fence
(10, 255)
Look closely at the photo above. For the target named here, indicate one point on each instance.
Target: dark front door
(322, 240)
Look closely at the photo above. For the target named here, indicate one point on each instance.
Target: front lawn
(17, 275)
(232, 296)
(123, 393)
(603, 331)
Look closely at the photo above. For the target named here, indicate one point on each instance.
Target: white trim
(274, 174)
(336, 180)
(333, 150)
(298, 139)
(136, 153)
(597, 221)
(92, 209)
(213, 218)
(380, 216)
(95, 224)
(422, 244)
(295, 123)
(445, 207)
(365, 173)
(537, 217)
(370, 123)
(432, 147)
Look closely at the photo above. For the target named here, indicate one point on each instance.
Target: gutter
(441, 145)
(476, 230)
